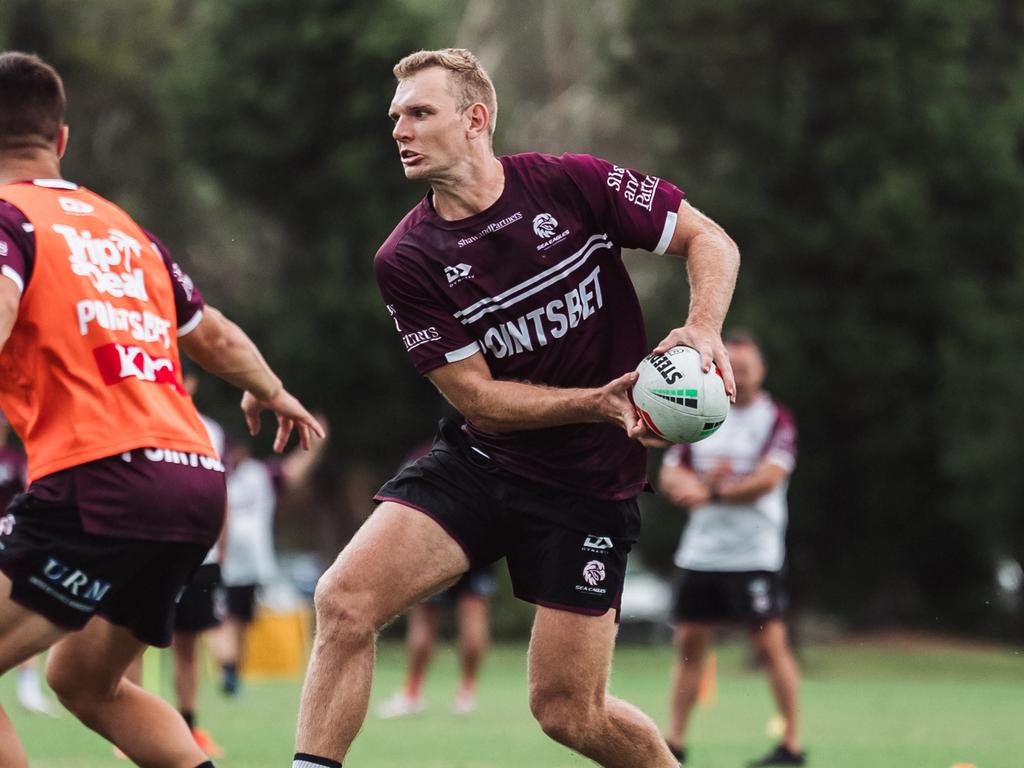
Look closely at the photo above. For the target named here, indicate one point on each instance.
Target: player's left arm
(712, 263)
(766, 477)
(10, 299)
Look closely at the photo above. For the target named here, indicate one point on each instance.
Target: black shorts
(67, 575)
(478, 582)
(563, 550)
(741, 597)
(200, 607)
(240, 602)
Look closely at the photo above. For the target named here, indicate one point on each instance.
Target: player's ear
(62, 140)
(478, 119)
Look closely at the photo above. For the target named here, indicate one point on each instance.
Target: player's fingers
(666, 344)
(284, 431)
(304, 438)
(725, 368)
(631, 422)
(310, 423)
(252, 418)
(625, 382)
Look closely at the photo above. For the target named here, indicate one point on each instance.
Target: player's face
(429, 129)
(748, 368)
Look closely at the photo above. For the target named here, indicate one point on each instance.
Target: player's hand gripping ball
(678, 401)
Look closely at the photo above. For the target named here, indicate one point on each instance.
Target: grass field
(864, 705)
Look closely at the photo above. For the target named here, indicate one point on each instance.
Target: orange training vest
(91, 368)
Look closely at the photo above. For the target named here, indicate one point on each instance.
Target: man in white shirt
(732, 551)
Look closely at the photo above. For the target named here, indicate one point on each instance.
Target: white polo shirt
(739, 537)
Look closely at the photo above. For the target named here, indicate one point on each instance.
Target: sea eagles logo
(544, 224)
(593, 572)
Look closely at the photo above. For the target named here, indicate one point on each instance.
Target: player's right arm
(497, 405)
(220, 347)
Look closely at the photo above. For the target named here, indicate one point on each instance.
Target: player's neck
(24, 166)
(744, 399)
(470, 190)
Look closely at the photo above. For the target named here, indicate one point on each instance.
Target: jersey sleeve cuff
(666, 233)
(187, 328)
(782, 459)
(462, 352)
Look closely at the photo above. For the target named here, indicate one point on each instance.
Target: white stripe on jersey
(580, 260)
(527, 283)
(666, 233)
(6, 271)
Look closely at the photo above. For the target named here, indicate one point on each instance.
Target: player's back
(91, 368)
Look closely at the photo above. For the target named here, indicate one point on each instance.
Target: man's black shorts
(740, 597)
(67, 575)
(199, 607)
(563, 550)
(240, 602)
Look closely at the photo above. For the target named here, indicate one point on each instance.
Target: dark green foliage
(866, 158)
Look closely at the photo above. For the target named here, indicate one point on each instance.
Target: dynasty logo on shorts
(597, 544)
(593, 573)
(71, 586)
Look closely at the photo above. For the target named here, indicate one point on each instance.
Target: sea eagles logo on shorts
(544, 224)
(594, 573)
(6, 525)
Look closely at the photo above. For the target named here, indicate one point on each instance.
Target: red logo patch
(118, 362)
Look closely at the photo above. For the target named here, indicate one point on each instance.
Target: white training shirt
(249, 548)
(739, 537)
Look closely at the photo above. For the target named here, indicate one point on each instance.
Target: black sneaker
(781, 756)
(679, 753)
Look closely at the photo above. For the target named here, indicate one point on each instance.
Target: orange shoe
(206, 743)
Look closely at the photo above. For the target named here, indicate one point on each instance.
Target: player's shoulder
(781, 413)
(405, 237)
(567, 164)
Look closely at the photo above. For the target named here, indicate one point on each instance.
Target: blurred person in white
(248, 560)
(732, 551)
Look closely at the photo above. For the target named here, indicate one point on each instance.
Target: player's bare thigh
(570, 656)
(23, 632)
(398, 557)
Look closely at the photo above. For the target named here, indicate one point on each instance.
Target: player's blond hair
(469, 81)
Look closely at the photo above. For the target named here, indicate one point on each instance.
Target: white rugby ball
(676, 399)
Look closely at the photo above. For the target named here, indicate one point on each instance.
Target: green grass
(863, 707)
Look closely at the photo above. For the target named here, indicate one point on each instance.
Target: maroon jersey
(13, 470)
(122, 495)
(537, 284)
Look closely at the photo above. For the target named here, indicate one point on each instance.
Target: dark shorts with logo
(201, 605)
(478, 582)
(740, 597)
(62, 572)
(563, 550)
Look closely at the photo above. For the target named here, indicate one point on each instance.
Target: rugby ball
(676, 399)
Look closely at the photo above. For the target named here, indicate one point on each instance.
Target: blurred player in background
(508, 291)
(126, 493)
(733, 549)
(249, 560)
(198, 610)
(471, 597)
(13, 476)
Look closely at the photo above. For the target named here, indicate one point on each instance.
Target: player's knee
(691, 645)
(341, 615)
(564, 717)
(73, 689)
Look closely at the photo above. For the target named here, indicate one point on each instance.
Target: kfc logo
(118, 362)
